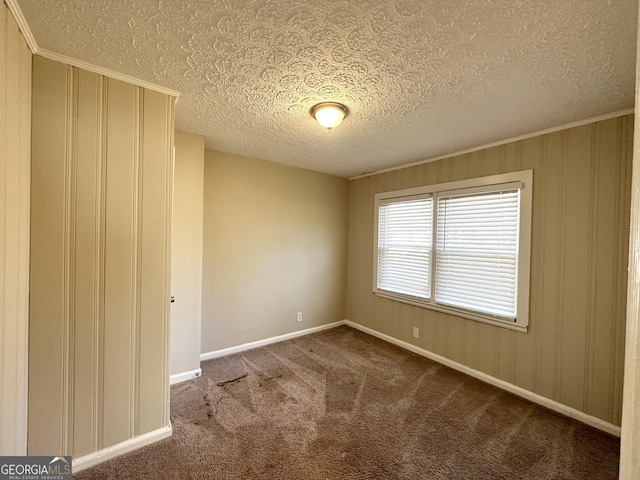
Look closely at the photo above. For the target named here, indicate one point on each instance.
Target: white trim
(58, 57)
(185, 376)
(579, 123)
(15, 9)
(121, 448)
(509, 387)
(267, 341)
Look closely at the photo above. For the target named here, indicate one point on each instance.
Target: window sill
(455, 312)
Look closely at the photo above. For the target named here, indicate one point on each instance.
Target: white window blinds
(404, 247)
(477, 251)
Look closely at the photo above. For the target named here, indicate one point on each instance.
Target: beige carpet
(341, 404)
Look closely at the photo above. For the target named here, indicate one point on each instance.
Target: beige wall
(574, 349)
(101, 177)
(186, 257)
(15, 148)
(275, 241)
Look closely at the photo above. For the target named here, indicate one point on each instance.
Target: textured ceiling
(421, 78)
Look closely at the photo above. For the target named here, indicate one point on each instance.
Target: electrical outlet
(416, 332)
(299, 317)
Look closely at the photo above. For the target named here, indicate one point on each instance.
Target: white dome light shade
(329, 114)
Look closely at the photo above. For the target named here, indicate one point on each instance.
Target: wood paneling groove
(617, 234)
(573, 350)
(69, 256)
(101, 258)
(560, 267)
(591, 272)
(136, 245)
(539, 226)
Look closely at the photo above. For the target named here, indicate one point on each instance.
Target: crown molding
(15, 10)
(58, 57)
(579, 123)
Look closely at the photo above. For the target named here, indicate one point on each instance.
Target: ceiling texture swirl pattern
(420, 78)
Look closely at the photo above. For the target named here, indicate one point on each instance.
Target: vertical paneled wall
(100, 252)
(574, 349)
(15, 148)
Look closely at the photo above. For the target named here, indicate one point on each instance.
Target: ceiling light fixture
(329, 114)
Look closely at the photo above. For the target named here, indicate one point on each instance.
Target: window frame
(524, 180)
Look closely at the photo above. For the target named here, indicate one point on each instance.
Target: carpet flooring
(341, 404)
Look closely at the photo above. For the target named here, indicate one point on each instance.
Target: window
(404, 247)
(460, 247)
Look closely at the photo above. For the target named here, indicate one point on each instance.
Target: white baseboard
(121, 448)
(509, 387)
(267, 341)
(185, 376)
